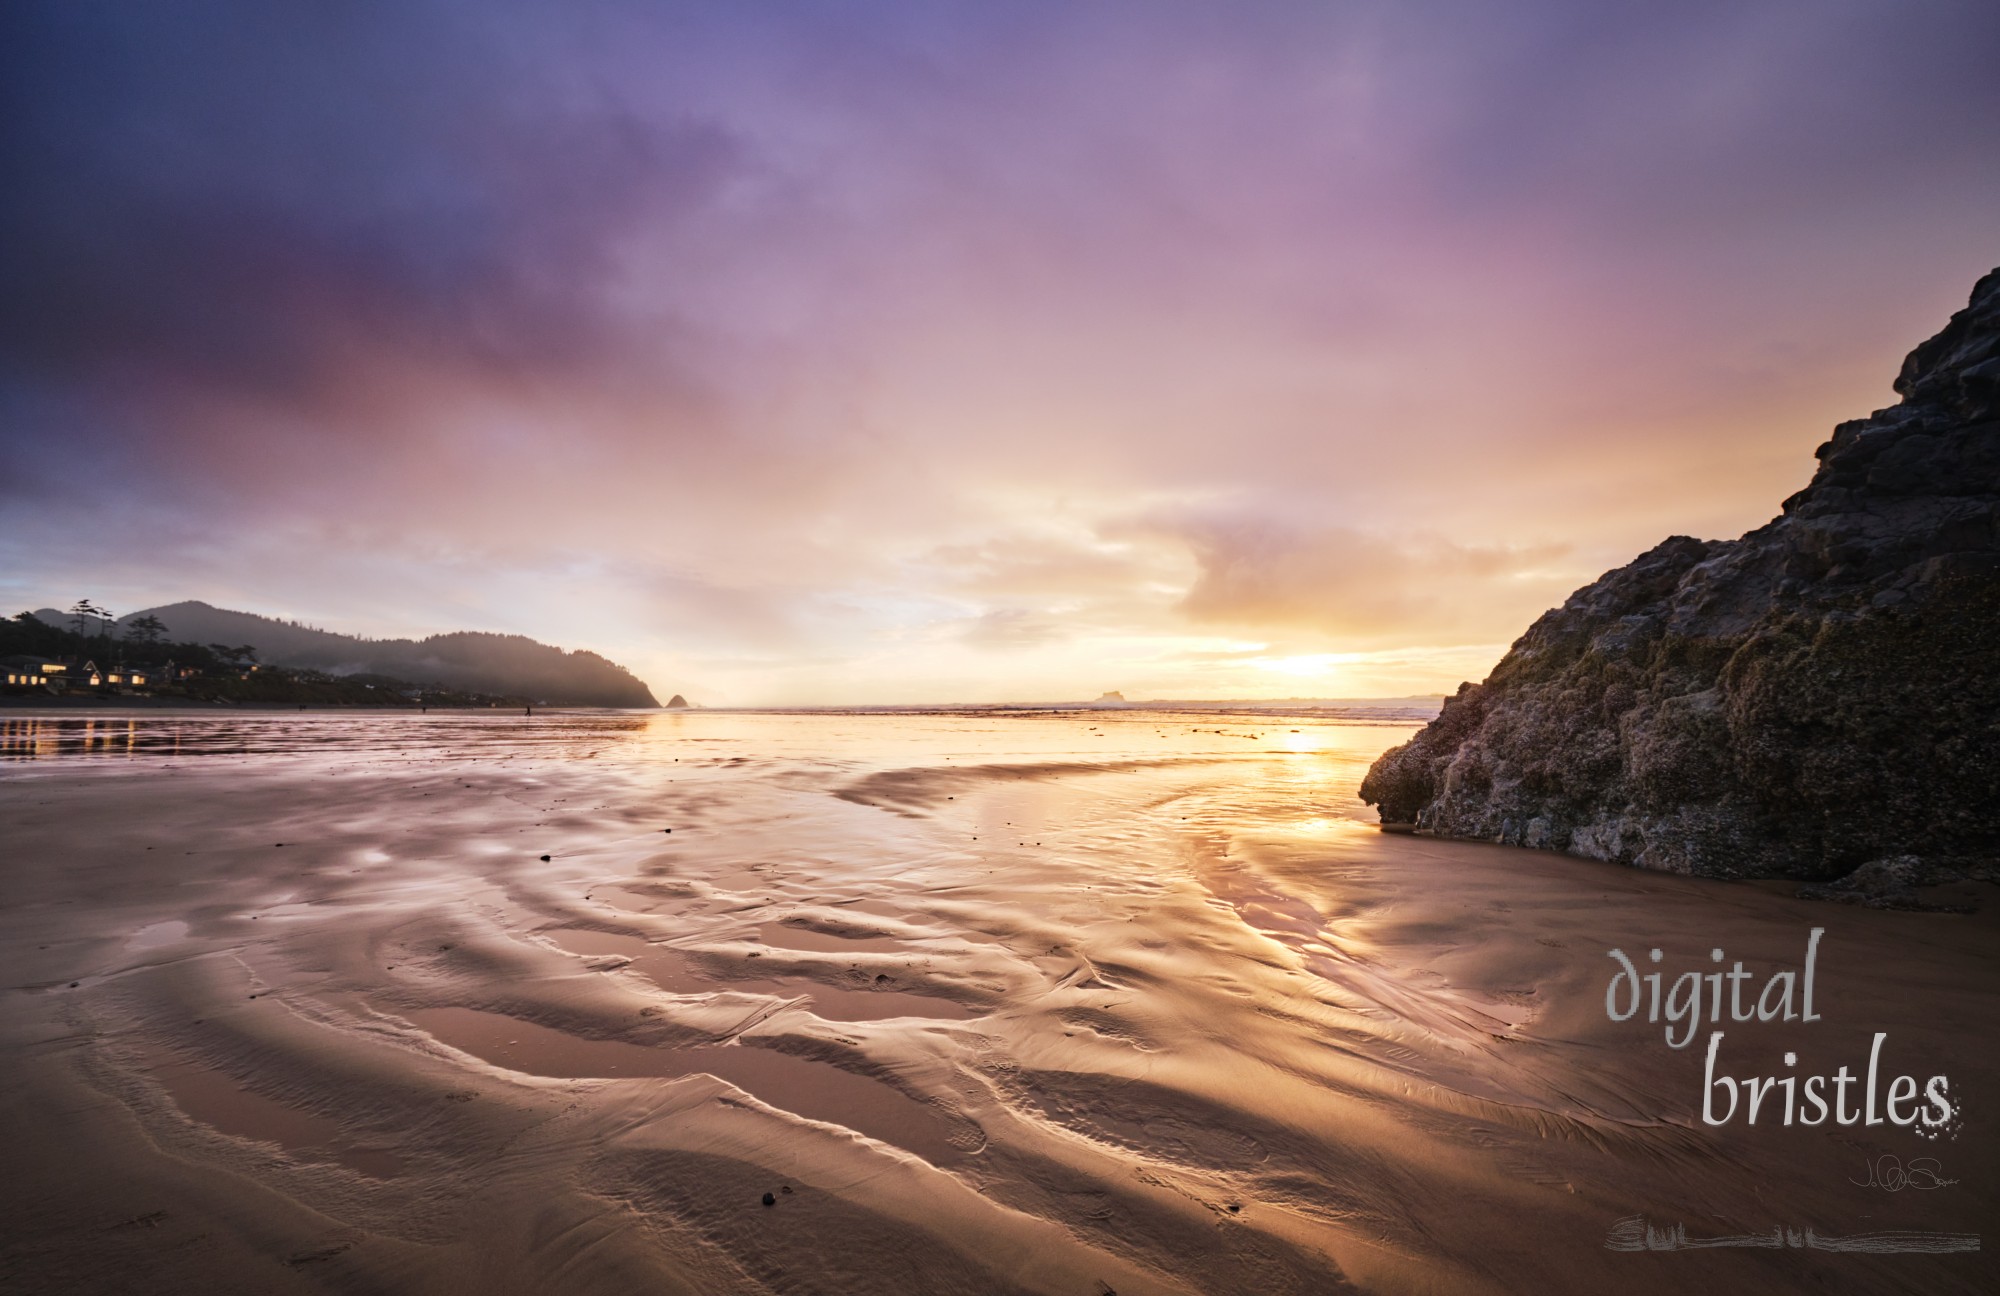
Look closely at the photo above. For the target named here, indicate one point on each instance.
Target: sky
(858, 352)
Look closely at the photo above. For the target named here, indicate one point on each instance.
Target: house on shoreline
(56, 675)
(27, 670)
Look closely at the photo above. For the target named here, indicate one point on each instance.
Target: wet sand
(987, 1004)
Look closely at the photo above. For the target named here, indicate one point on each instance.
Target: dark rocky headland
(315, 667)
(1817, 700)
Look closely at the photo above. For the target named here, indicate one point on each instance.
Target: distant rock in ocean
(1112, 699)
(1818, 700)
(677, 703)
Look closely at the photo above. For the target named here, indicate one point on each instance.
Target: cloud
(1012, 630)
(1355, 587)
(222, 197)
(844, 343)
(1069, 559)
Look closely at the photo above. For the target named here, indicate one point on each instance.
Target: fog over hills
(485, 663)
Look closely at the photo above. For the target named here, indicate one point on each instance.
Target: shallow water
(670, 969)
(218, 1101)
(1035, 1002)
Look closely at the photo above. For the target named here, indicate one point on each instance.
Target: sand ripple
(986, 1004)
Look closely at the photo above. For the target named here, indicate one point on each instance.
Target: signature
(1637, 1233)
(1890, 1174)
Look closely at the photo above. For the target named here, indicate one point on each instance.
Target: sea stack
(1816, 700)
(677, 703)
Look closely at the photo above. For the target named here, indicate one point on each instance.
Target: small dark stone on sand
(786, 1188)
(545, 859)
(1235, 1207)
(769, 1200)
(74, 984)
(666, 830)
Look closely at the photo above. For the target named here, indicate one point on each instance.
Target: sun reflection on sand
(1145, 995)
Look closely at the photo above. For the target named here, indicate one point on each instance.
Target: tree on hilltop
(240, 656)
(147, 630)
(85, 613)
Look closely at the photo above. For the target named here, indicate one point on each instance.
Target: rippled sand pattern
(1101, 1002)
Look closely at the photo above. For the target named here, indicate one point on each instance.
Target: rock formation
(1816, 700)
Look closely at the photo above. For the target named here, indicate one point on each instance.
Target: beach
(1087, 1002)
